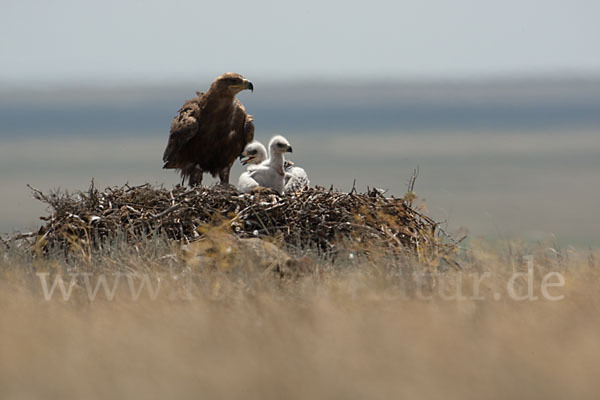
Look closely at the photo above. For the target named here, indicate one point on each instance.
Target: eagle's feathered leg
(224, 175)
(195, 176)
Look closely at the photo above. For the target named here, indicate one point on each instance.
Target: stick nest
(320, 218)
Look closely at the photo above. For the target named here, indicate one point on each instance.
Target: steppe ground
(351, 327)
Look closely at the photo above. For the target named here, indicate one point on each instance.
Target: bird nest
(317, 218)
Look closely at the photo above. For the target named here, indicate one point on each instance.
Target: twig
(167, 211)
(353, 191)
(413, 179)
(39, 193)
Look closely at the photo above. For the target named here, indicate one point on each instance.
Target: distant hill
(313, 107)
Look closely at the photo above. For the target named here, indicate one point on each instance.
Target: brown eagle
(210, 131)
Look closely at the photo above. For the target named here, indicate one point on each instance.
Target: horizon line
(350, 80)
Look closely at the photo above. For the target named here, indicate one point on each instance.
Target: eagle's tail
(169, 164)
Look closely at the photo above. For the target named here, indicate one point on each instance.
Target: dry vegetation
(238, 317)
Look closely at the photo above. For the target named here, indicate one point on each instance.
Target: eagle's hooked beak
(289, 149)
(248, 85)
(246, 160)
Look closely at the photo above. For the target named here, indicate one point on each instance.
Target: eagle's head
(279, 144)
(254, 153)
(232, 83)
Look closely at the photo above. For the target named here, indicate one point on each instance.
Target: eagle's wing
(249, 128)
(246, 182)
(295, 179)
(245, 121)
(183, 128)
(268, 177)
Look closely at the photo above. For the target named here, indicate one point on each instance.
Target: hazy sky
(150, 40)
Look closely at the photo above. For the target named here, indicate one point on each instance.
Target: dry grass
(349, 327)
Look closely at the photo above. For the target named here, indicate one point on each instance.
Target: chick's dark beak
(289, 149)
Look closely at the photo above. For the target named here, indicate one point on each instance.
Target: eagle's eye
(251, 152)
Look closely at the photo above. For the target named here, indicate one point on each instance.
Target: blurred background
(496, 103)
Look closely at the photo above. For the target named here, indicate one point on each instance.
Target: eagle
(210, 131)
(269, 173)
(253, 155)
(295, 177)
